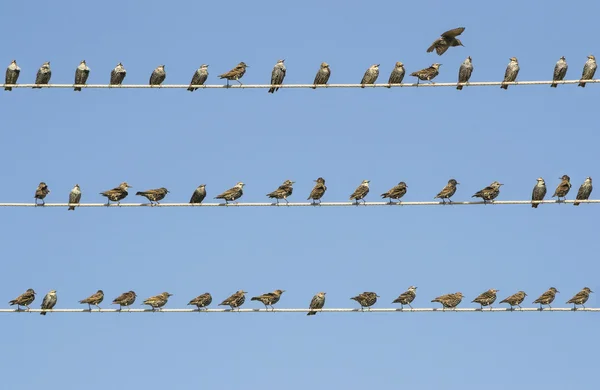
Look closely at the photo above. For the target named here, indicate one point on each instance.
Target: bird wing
(450, 34)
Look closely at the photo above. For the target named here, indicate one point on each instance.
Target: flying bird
(370, 75)
(448, 191)
(366, 299)
(563, 188)
(126, 299)
(41, 192)
(158, 75)
(154, 195)
(396, 192)
(318, 191)
(539, 191)
(464, 72)
(117, 194)
(580, 298)
(74, 196)
(406, 297)
(24, 299)
(49, 302)
(201, 301)
(277, 75)
(322, 76)
(589, 69)
(486, 298)
(199, 194)
(81, 75)
(316, 303)
(449, 301)
(489, 193)
(12, 74)
(232, 194)
(199, 77)
(94, 299)
(157, 301)
(446, 40)
(515, 300)
(43, 75)
(269, 299)
(547, 298)
(283, 191)
(235, 300)
(361, 191)
(427, 74)
(512, 70)
(560, 71)
(397, 74)
(584, 191)
(117, 75)
(235, 74)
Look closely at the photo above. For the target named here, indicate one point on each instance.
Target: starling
(94, 299)
(396, 192)
(446, 40)
(235, 73)
(201, 301)
(584, 191)
(547, 297)
(515, 300)
(43, 75)
(512, 70)
(486, 298)
(316, 303)
(366, 299)
(117, 194)
(269, 299)
(539, 191)
(12, 74)
(24, 299)
(589, 69)
(464, 72)
(277, 75)
(235, 300)
(232, 194)
(41, 192)
(117, 74)
(318, 191)
(125, 299)
(407, 297)
(397, 74)
(563, 188)
(157, 301)
(81, 75)
(199, 77)
(49, 302)
(283, 191)
(158, 75)
(74, 196)
(448, 191)
(154, 195)
(427, 74)
(361, 191)
(580, 298)
(199, 194)
(323, 74)
(449, 301)
(489, 193)
(370, 75)
(560, 71)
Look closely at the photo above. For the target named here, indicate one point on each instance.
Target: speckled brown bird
(12, 74)
(589, 69)
(81, 75)
(24, 299)
(397, 75)
(584, 191)
(446, 40)
(323, 75)
(515, 300)
(158, 301)
(94, 299)
(366, 299)
(447, 191)
(563, 188)
(547, 298)
(235, 74)
(489, 193)
(560, 71)
(427, 74)
(316, 303)
(201, 301)
(41, 192)
(158, 76)
(117, 75)
(199, 194)
(511, 73)
(282, 192)
(406, 297)
(580, 298)
(449, 301)
(370, 75)
(74, 196)
(126, 299)
(318, 191)
(154, 195)
(486, 298)
(396, 192)
(361, 191)
(233, 193)
(117, 194)
(236, 300)
(539, 191)
(269, 299)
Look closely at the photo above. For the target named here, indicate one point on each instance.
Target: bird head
(553, 290)
(399, 64)
(591, 57)
(240, 184)
(540, 180)
(453, 182)
(324, 65)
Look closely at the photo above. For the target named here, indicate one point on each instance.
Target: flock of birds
(365, 299)
(446, 40)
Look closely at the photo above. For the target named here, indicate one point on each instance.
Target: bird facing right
(560, 71)
(589, 69)
(447, 191)
(199, 77)
(486, 298)
(158, 301)
(512, 70)
(547, 298)
(361, 191)
(43, 75)
(446, 40)
(397, 75)
(370, 75)
(94, 299)
(199, 194)
(323, 75)
(235, 300)
(117, 194)
(233, 193)
(406, 297)
(269, 299)
(201, 301)
(283, 191)
(489, 193)
(24, 299)
(366, 299)
(464, 72)
(277, 75)
(154, 195)
(74, 196)
(158, 76)
(515, 300)
(584, 191)
(449, 301)
(580, 298)
(235, 74)
(396, 192)
(49, 302)
(126, 299)
(427, 74)
(563, 188)
(539, 191)
(317, 303)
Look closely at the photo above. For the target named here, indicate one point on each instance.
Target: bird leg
(286, 201)
(239, 82)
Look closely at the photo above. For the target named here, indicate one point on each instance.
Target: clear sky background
(178, 139)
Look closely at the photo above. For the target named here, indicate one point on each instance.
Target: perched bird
(547, 298)
(447, 191)
(563, 188)
(199, 77)
(316, 303)
(361, 191)
(24, 299)
(489, 193)
(117, 194)
(235, 74)
(12, 74)
(366, 299)
(74, 196)
(446, 40)
(157, 301)
(427, 74)
(406, 297)
(233, 193)
(539, 191)
(41, 192)
(486, 298)
(81, 74)
(318, 191)
(158, 75)
(269, 299)
(154, 195)
(277, 75)
(512, 70)
(49, 302)
(201, 301)
(283, 191)
(584, 191)
(580, 298)
(370, 75)
(397, 74)
(323, 74)
(94, 299)
(464, 72)
(235, 300)
(560, 71)
(117, 75)
(449, 301)
(43, 74)
(589, 69)
(125, 299)
(199, 194)
(396, 192)
(515, 300)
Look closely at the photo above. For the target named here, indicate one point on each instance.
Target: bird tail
(504, 86)
(43, 313)
(77, 89)
(459, 87)
(389, 86)
(191, 89)
(71, 207)
(435, 300)
(582, 85)
(314, 87)
(8, 88)
(36, 87)
(534, 205)
(271, 90)
(311, 313)
(255, 299)
(552, 85)
(140, 193)
(576, 204)
(362, 86)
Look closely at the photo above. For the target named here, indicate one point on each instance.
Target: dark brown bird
(406, 297)
(74, 196)
(396, 192)
(427, 74)
(154, 195)
(323, 75)
(49, 302)
(366, 299)
(489, 193)
(117, 75)
(125, 299)
(94, 299)
(361, 191)
(232, 194)
(449, 301)
(486, 298)
(158, 76)
(584, 191)
(117, 194)
(560, 71)
(81, 75)
(580, 298)
(158, 301)
(277, 75)
(397, 75)
(269, 299)
(282, 192)
(539, 191)
(24, 299)
(547, 298)
(199, 194)
(201, 301)
(563, 188)
(235, 74)
(12, 74)
(447, 191)
(316, 303)
(515, 300)
(236, 300)
(511, 73)
(41, 192)
(589, 69)
(318, 191)
(446, 40)
(464, 72)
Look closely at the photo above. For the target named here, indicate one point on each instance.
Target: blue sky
(177, 139)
